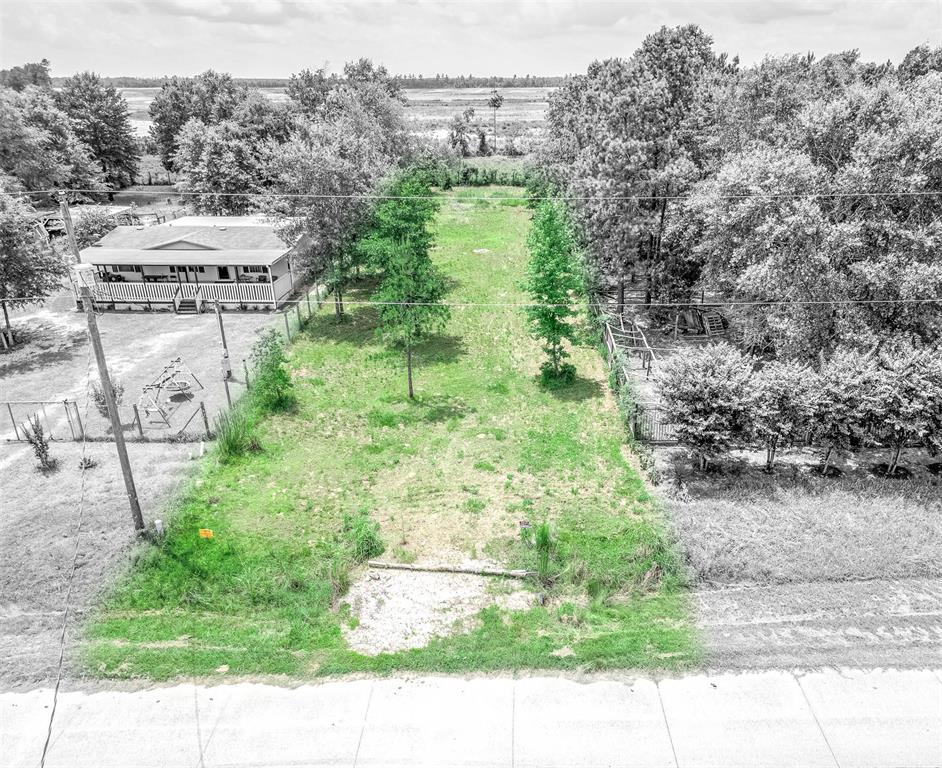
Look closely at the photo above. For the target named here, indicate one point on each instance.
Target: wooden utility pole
(222, 330)
(69, 230)
(112, 410)
(226, 363)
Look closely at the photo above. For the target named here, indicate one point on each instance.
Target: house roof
(209, 258)
(229, 240)
(220, 221)
(246, 238)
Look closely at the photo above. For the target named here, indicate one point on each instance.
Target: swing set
(174, 385)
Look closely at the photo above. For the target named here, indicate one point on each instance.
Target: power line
(493, 198)
(68, 596)
(593, 305)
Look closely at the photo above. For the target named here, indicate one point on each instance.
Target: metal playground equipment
(174, 385)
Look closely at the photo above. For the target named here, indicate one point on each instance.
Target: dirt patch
(397, 610)
(38, 521)
(54, 362)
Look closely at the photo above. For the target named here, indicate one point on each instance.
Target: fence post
(68, 416)
(16, 431)
(297, 308)
(287, 326)
(137, 420)
(307, 297)
(245, 368)
(78, 420)
(225, 383)
(205, 419)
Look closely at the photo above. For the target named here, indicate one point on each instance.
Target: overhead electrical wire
(495, 198)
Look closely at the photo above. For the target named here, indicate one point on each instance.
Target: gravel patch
(398, 610)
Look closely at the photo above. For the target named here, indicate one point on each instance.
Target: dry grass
(744, 525)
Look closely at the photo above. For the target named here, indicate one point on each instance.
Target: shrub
(87, 462)
(98, 396)
(272, 389)
(708, 398)
(235, 435)
(906, 406)
(783, 405)
(842, 394)
(36, 436)
(543, 540)
(362, 535)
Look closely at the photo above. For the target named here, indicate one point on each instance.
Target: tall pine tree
(551, 279)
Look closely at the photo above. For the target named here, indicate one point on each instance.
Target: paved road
(832, 719)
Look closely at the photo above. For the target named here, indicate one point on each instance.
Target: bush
(843, 392)
(708, 397)
(906, 406)
(36, 436)
(543, 541)
(235, 435)
(98, 396)
(362, 535)
(272, 389)
(783, 406)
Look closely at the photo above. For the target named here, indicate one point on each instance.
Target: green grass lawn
(447, 478)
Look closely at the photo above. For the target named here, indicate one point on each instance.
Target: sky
(273, 38)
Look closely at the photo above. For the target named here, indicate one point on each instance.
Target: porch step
(186, 307)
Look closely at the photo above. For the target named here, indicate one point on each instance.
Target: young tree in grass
(551, 279)
(708, 395)
(29, 269)
(783, 405)
(411, 287)
(272, 389)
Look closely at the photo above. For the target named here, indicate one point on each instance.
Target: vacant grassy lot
(448, 478)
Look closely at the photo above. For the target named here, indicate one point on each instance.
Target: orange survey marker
(206, 533)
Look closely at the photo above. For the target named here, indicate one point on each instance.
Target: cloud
(777, 10)
(256, 12)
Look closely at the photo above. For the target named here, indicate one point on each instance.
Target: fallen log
(469, 570)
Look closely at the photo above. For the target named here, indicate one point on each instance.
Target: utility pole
(226, 364)
(112, 410)
(222, 333)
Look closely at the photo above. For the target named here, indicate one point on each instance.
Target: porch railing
(170, 293)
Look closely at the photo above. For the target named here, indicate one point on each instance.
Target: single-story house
(239, 261)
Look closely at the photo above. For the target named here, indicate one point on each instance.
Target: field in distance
(430, 108)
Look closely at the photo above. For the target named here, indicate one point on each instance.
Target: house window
(127, 268)
(257, 270)
(201, 270)
(224, 273)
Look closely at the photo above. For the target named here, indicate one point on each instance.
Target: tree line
(76, 136)
(438, 80)
(806, 192)
(746, 182)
